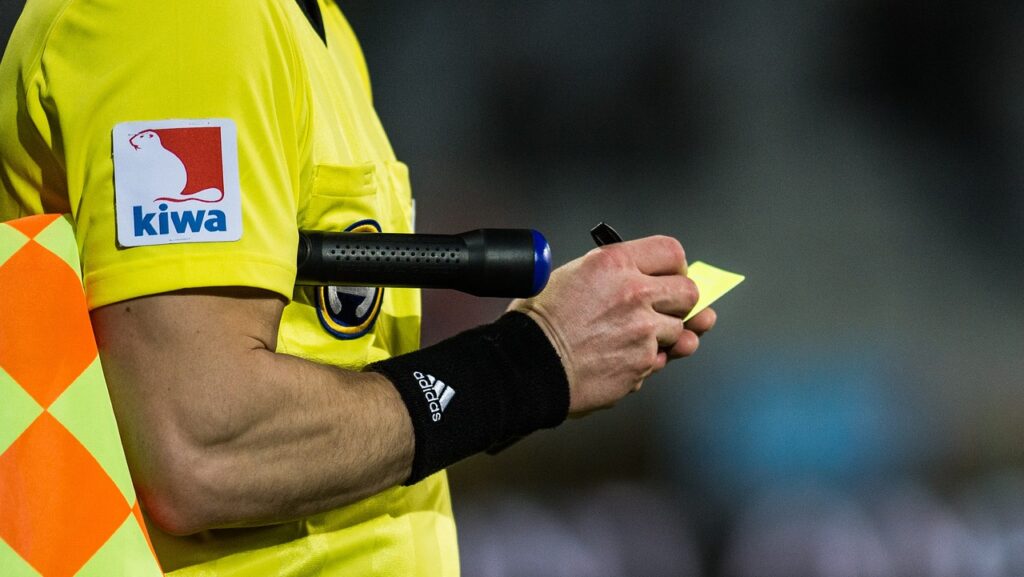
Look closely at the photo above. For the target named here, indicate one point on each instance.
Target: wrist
(558, 341)
(479, 389)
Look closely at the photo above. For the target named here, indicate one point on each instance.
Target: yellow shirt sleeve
(110, 63)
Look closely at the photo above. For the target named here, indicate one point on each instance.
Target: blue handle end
(541, 263)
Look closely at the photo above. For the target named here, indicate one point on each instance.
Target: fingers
(702, 322)
(615, 317)
(685, 346)
(672, 295)
(689, 335)
(655, 255)
(679, 340)
(670, 299)
(668, 330)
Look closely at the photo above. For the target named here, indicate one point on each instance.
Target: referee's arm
(222, 431)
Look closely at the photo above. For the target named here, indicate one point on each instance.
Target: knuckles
(673, 247)
(637, 292)
(651, 361)
(643, 329)
(640, 341)
(609, 257)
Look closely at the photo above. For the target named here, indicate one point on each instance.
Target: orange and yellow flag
(67, 505)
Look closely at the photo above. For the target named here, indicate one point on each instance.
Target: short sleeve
(187, 62)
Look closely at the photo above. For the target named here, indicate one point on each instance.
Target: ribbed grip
(484, 262)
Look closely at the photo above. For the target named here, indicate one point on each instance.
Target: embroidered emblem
(350, 312)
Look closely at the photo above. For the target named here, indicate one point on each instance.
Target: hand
(615, 317)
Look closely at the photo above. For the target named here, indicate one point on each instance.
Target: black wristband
(478, 389)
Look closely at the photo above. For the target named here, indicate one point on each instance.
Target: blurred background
(858, 409)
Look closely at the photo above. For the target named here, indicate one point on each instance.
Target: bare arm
(220, 430)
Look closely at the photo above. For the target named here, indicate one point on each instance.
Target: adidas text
(437, 394)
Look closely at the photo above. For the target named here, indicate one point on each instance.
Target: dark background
(857, 411)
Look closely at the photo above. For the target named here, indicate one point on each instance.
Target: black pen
(604, 234)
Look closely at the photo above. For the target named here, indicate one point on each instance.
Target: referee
(273, 429)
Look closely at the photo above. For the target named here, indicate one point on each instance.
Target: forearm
(223, 431)
(291, 438)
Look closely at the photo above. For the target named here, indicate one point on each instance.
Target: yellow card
(712, 283)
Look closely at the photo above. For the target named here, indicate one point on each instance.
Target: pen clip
(604, 234)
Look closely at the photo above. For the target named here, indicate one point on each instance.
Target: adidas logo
(437, 393)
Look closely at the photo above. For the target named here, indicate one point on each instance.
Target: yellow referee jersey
(191, 140)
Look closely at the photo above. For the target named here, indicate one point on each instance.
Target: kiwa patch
(176, 181)
(349, 312)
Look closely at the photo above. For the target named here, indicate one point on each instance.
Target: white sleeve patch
(177, 181)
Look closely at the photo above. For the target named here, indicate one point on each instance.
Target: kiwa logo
(176, 181)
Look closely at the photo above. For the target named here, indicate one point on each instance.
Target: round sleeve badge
(350, 312)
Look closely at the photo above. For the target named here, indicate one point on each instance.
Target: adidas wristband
(479, 389)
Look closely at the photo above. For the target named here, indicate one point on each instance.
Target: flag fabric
(67, 505)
